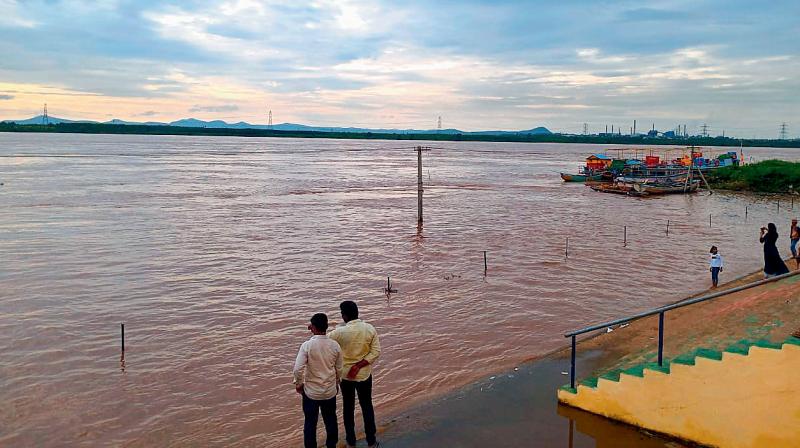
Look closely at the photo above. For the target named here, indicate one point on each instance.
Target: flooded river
(214, 252)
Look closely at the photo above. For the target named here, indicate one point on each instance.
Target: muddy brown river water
(214, 252)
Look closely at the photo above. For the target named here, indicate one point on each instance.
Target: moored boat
(666, 188)
(615, 188)
(581, 177)
(638, 166)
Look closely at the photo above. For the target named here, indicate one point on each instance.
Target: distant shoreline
(100, 128)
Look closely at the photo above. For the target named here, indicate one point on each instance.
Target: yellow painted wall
(741, 401)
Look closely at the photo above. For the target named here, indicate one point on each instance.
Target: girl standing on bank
(715, 266)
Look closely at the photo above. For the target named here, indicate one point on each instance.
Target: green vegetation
(101, 128)
(769, 176)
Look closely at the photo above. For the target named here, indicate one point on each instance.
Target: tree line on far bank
(103, 128)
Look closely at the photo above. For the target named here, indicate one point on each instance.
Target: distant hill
(535, 131)
(219, 124)
(134, 123)
(39, 119)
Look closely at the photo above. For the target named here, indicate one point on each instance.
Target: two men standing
(319, 365)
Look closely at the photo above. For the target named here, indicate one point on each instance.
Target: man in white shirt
(316, 378)
(361, 348)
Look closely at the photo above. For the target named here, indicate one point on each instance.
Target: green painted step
(741, 347)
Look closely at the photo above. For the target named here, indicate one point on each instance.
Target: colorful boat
(640, 164)
(593, 171)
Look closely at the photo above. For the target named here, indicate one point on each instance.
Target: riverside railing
(660, 311)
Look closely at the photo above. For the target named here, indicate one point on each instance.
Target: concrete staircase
(747, 395)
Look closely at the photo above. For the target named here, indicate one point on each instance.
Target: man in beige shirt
(316, 378)
(361, 348)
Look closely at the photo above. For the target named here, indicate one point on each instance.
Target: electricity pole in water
(419, 150)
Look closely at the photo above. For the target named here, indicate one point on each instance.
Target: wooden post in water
(668, 227)
(122, 336)
(566, 248)
(688, 176)
(710, 191)
(485, 266)
(389, 288)
(745, 213)
(625, 236)
(779, 205)
(709, 220)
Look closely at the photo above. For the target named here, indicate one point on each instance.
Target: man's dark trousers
(364, 391)
(311, 410)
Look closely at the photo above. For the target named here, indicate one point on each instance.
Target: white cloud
(12, 15)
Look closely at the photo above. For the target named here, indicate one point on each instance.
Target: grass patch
(769, 176)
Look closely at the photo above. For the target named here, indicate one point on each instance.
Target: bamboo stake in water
(625, 236)
(566, 248)
(485, 266)
(709, 220)
(668, 227)
(122, 336)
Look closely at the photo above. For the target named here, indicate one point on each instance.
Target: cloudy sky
(732, 64)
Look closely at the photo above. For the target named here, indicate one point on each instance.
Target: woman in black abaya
(773, 263)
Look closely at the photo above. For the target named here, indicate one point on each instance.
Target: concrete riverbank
(519, 407)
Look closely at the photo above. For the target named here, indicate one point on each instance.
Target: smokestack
(634, 127)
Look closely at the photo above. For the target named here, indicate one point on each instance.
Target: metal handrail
(660, 311)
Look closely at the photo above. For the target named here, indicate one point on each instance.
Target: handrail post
(661, 339)
(572, 366)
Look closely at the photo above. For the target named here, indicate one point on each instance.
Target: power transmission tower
(269, 124)
(784, 129)
(705, 130)
(585, 128)
(45, 117)
(439, 124)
